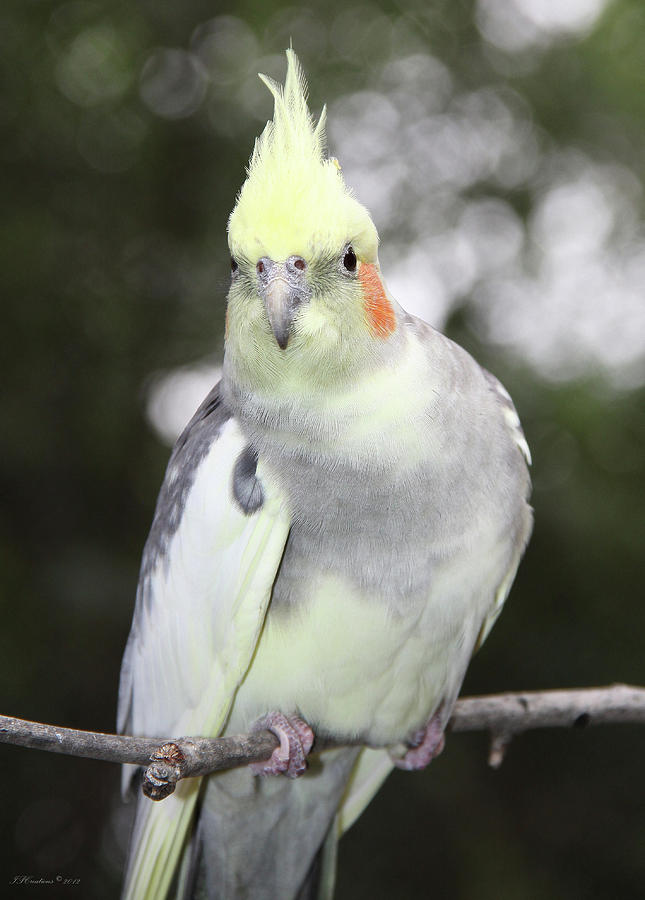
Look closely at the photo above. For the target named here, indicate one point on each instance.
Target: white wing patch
(202, 612)
(205, 601)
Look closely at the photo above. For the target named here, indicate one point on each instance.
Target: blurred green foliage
(122, 150)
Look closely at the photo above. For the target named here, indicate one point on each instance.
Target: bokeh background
(501, 149)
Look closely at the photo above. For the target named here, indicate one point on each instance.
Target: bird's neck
(316, 412)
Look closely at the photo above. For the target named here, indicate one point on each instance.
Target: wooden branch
(507, 715)
(167, 761)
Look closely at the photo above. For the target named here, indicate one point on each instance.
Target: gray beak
(283, 288)
(281, 309)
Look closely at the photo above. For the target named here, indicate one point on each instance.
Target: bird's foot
(296, 740)
(427, 743)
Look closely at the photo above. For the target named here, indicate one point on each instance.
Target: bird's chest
(362, 636)
(351, 665)
(361, 503)
(354, 638)
(362, 524)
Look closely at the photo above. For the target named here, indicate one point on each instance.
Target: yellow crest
(294, 200)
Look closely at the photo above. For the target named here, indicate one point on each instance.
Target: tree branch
(167, 761)
(507, 715)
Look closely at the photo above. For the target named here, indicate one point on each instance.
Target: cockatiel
(338, 529)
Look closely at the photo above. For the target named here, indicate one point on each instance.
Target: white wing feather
(204, 607)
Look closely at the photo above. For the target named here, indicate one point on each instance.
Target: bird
(338, 529)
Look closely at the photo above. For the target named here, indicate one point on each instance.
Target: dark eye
(234, 265)
(349, 260)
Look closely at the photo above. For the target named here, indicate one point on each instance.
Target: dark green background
(114, 266)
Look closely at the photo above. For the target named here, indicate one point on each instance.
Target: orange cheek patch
(380, 314)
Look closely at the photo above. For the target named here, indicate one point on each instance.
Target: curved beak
(283, 288)
(281, 303)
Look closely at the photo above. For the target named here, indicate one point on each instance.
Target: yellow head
(294, 200)
(306, 294)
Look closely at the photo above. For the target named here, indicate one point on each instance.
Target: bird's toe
(296, 740)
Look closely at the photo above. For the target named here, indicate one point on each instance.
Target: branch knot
(167, 766)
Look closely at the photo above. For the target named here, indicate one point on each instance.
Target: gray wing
(190, 449)
(207, 572)
(208, 569)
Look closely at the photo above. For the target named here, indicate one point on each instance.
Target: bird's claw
(296, 740)
(427, 743)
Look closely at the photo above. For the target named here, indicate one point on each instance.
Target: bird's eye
(349, 260)
(234, 265)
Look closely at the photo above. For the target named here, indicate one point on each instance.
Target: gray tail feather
(321, 878)
(267, 838)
